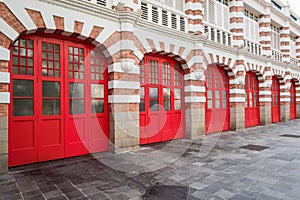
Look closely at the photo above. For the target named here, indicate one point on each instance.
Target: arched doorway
(217, 105)
(252, 117)
(293, 100)
(162, 99)
(275, 91)
(59, 100)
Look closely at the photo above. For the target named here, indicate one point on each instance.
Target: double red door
(59, 101)
(275, 94)
(162, 105)
(217, 105)
(252, 117)
(293, 100)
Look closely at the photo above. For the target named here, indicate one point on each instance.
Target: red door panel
(22, 142)
(293, 100)
(217, 115)
(98, 138)
(275, 91)
(161, 107)
(59, 100)
(252, 116)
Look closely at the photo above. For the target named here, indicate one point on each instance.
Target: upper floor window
(251, 15)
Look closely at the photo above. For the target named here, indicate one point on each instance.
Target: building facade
(82, 76)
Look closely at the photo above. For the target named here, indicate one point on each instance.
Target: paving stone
(226, 172)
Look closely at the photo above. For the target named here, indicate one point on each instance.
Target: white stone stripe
(192, 6)
(124, 98)
(265, 38)
(125, 66)
(123, 84)
(298, 99)
(4, 77)
(194, 76)
(265, 99)
(285, 32)
(265, 92)
(4, 54)
(7, 30)
(264, 29)
(285, 94)
(193, 99)
(285, 99)
(192, 88)
(236, 99)
(265, 20)
(4, 97)
(236, 91)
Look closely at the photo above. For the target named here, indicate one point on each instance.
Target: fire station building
(84, 76)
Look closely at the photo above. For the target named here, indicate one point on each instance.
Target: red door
(217, 107)
(161, 107)
(275, 90)
(293, 100)
(252, 117)
(58, 98)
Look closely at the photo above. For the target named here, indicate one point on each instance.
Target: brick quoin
(37, 18)
(78, 27)
(59, 22)
(96, 32)
(4, 41)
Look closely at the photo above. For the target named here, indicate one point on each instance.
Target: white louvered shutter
(179, 4)
(219, 14)
(211, 13)
(226, 17)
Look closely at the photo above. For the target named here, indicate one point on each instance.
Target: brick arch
(228, 64)
(188, 58)
(17, 28)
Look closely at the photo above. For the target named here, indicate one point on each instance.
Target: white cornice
(86, 7)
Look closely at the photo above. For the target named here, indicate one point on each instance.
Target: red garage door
(217, 108)
(59, 101)
(162, 105)
(252, 100)
(293, 100)
(275, 90)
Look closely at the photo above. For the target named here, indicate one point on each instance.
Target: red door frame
(164, 75)
(252, 116)
(217, 100)
(293, 100)
(275, 93)
(38, 135)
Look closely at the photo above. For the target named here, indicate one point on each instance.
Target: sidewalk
(215, 167)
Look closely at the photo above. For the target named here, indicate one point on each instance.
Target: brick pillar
(265, 33)
(237, 96)
(194, 10)
(195, 104)
(124, 87)
(285, 46)
(236, 13)
(285, 97)
(265, 97)
(298, 50)
(4, 101)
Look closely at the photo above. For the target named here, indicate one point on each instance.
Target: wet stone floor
(258, 163)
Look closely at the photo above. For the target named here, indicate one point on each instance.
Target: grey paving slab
(214, 167)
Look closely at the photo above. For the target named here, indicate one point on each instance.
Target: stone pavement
(215, 167)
